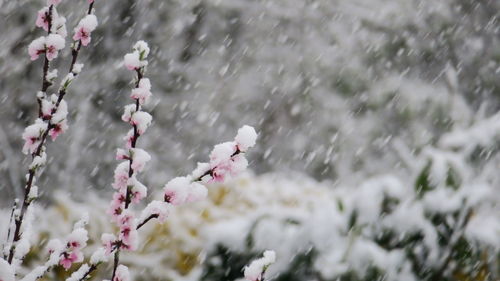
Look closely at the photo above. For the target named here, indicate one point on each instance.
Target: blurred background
(377, 156)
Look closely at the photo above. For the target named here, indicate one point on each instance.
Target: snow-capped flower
(122, 154)
(121, 175)
(36, 47)
(222, 153)
(139, 159)
(143, 92)
(58, 129)
(108, 240)
(77, 239)
(122, 274)
(38, 161)
(68, 258)
(47, 107)
(158, 208)
(176, 190)
(59, 120)
(32, 136)
(128, 233)
(84, 29)
(256, 269)
(245, 138)
(143, 49)
(138, 190)
(238, 164)
(141, 120)
(53, 43)
(128, 110)
(59, 25)
(132, 61)
(42, 19)
(129, 137)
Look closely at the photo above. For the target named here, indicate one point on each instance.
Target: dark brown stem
(115, 266)
(153, 216)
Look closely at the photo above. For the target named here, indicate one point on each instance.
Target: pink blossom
(128, 233)
(32, 136)
(140, 157)
(42, 19)
(140, 94)
(53, 43)
(121, 175)
(58, 129)
(129, 138)
(143, 92)
(108, 240)
(68, 259)
(36, 47)
(77, 239)
(84, 28)
(141, 120)
(116, 207)
(128, 111)
(90, 1)
(47, 107)
(222, 153)
(176, 190)
(122, 154)
(138, 190)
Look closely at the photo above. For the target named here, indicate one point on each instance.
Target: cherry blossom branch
(129, 189)
(53, 110)
(64, 252)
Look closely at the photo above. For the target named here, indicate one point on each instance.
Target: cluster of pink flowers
(54, 42)
(226, 160)
(84, 29)
(53, 113)
(50, 45)
(33, 134)
(69, 252)
(76, 241)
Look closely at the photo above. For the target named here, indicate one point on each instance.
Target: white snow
(246, 138)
